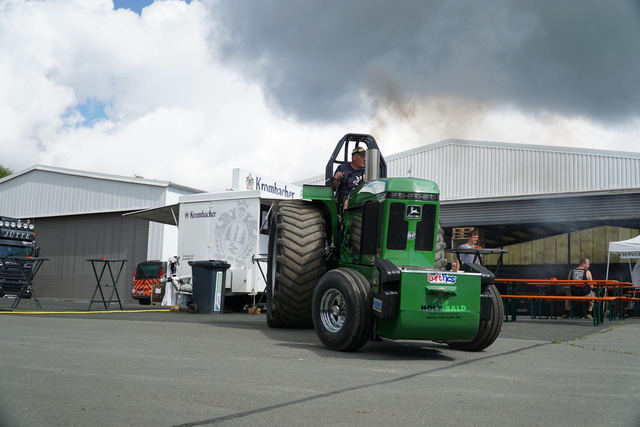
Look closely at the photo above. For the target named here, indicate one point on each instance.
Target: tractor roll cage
(342, 154)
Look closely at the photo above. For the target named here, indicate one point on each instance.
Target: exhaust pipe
(371, 168)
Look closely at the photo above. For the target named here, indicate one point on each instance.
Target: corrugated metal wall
(474, 169)
(78, 216)
(40, 193)
(68, 241)
(485, 184)
(468, 169)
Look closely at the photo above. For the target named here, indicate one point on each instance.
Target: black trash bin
(208, 278)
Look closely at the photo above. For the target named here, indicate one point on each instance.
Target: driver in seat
(349, 175)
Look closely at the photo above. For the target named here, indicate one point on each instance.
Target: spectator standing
(581, 272)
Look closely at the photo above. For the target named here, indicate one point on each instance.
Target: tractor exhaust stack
(371, 165)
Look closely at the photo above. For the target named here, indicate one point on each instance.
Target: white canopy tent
(627, 249)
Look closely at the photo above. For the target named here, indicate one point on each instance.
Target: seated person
(349, 175)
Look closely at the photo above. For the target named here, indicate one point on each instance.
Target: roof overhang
(507, 221)
(165, 214)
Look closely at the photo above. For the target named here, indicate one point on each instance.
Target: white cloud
(173, 112)
(423, 122)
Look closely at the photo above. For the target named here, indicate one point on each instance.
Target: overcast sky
(187, 91)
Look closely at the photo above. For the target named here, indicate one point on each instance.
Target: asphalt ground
(147, 366)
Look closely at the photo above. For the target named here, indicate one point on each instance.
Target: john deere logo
(413, 212)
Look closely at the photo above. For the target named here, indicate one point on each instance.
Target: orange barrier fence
(611, 297)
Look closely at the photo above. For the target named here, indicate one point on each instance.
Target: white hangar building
(565, 202)
(78, 215)
(517, 192)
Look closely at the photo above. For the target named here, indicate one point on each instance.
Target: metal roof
(51, 191)
(474, 169)
(98, 175)
(466, 169)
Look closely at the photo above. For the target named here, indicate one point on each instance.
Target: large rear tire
(342, 313)
(488, 330)
(296, 260)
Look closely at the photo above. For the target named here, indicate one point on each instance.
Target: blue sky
(135, 5)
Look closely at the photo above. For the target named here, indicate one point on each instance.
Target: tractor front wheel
(341, 310)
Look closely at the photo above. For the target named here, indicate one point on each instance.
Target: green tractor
(375, 270)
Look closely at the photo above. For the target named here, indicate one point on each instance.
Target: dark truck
(17, 239)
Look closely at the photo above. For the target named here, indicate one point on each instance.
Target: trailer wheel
(296, 260)
(342, 313)
(488, 330)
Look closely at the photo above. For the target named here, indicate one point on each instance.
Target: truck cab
(17, 239)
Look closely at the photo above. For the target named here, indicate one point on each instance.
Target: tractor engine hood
(395, 188)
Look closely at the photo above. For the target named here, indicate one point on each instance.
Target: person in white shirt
(472, 242)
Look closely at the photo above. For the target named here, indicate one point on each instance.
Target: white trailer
(231, 227)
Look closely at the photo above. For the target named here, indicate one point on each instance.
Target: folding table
(29, 266)
(106, 265)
